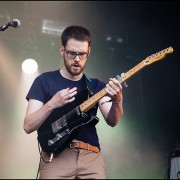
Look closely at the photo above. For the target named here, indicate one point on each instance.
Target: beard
(74, 71)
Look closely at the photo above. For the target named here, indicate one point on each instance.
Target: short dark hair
(79, 33)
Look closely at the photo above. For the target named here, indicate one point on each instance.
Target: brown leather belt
(83, 145)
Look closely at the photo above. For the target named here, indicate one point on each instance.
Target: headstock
(158, 56)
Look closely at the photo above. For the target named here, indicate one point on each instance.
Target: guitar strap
(89, 85)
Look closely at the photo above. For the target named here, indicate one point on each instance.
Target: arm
(37, 112)
(112, 111)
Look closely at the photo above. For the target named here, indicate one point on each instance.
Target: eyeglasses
(72, 54)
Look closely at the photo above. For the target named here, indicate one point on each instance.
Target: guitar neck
(88, 104)
(133, 71)
(91, 102)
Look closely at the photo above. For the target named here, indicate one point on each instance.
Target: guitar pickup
(59, 124)
(50, 142)
(58, 135)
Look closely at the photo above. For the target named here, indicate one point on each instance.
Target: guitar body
(63, 124)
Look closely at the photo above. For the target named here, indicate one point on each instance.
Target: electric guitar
(76, 116)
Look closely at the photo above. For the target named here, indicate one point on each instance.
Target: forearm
(34, 120)
(115, 113)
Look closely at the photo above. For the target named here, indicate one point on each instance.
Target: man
(52, 91)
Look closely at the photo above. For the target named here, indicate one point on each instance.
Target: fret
(127, 75)
(141, 65)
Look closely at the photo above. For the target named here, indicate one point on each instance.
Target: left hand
(114, 89)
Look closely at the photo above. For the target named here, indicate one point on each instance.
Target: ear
(62, 50)
(89, 50)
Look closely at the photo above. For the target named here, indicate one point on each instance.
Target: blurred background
(124, 33)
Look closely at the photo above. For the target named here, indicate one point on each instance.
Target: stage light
(29, 66)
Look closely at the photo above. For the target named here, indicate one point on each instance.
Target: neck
(69, 76)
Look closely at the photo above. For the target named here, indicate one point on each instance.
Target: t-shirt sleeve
(37, 91)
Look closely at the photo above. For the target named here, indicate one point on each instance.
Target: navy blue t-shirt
(46, 85)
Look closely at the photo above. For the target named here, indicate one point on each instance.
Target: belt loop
(88, 147)
(71, 146)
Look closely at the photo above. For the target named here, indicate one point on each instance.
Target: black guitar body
(63, 124)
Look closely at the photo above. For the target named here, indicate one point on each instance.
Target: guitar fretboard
(88, 104)
(132, 71)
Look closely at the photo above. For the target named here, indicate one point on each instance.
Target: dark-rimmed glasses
(72, 54)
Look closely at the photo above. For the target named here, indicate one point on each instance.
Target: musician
(52, 91)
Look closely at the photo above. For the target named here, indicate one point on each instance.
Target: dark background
(137, 29)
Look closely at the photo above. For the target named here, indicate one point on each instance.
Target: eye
(82, 53)
(72, 53)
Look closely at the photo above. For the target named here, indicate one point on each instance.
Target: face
(75, 56)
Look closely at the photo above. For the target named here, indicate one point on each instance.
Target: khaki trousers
(73, 163)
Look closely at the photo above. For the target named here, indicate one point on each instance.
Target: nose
(77, 57)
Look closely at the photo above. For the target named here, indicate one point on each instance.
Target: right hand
(63, 97)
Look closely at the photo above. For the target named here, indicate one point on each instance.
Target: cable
(41, 158)
(40, 151)
(38, 168)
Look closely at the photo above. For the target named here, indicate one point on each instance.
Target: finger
(70, 100)
(71, 95)
(111, 91)
(64, 92)
(115, 81)
(114, 87)
(72, 90)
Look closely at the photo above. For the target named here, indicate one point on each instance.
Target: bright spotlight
(29, 66)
